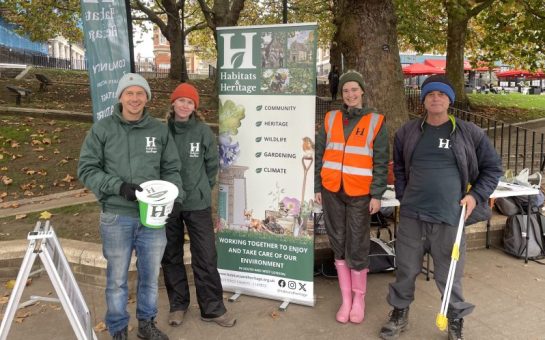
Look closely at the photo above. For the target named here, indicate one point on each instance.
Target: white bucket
(156, 202)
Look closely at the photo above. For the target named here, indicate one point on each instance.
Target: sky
(145, 47)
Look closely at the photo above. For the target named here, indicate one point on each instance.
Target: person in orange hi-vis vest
(350, 179)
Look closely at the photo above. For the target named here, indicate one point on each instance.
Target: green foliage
(421, 25)
(230, 115)
(512, 31)
(45, 19)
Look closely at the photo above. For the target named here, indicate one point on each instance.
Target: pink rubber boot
(343, 273)
(359, 287)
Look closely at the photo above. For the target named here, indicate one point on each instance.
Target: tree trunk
(177, 48)
(335, 54)
(368, 40)
(456, 41)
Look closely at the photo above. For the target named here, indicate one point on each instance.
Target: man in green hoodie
(119, 153)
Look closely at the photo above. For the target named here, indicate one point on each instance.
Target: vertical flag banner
(267, 88)
(107, 51)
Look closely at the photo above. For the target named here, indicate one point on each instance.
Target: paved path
(41, 203)
(509, 296)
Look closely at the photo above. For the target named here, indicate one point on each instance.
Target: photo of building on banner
(267, 87)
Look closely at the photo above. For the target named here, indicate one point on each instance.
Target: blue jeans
(120, 235)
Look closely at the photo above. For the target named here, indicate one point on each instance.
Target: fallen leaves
(20, 216)
(21, 315)
(45, 215)
(275, 315)
(68, 178)
(6, 180)
(100, 327)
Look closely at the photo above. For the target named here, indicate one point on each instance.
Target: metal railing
(146, 69)
(518, 147)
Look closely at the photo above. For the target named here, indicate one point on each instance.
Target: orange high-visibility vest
(352, 161)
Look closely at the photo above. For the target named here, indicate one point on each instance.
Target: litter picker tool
(441, 321)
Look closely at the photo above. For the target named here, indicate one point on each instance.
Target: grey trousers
(347, 222)
(414, 239)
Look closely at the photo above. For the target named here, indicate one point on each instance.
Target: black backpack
(382, 257)
(516, 230)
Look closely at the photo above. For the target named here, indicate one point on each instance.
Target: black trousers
(203, 262)
(347, 222)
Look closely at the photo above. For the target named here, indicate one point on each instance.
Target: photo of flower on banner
(230, 116)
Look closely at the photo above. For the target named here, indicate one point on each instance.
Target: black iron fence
(147, 69)
(18, 56)
(518, 147)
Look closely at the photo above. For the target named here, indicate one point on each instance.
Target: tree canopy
(45, 19)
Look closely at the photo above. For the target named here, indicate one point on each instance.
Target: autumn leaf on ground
(14, 144)
(40, 149)
(20, 216)
(4, 168)
(55, 307)
(42, 172)
(30, 172)
(46, 141)
(28, 193)
(51, 122)
(42, 158)
(57, 130)
(3, 194)
(35, 142)
(45, 215)
(56, 151)
(1, 156)
(68, 178)
(62, 162)
(4, 300)
(10, 284)
(275, 315)
(100, 327)
(6, 180)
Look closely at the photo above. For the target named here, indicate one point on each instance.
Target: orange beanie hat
(187, 91)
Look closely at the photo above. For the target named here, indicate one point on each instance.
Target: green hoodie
(117, 151)
(198, 151)
(380, 151)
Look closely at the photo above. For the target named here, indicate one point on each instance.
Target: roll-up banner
(267, 87)
(107, 49)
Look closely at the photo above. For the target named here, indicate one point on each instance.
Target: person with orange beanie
(198, 152)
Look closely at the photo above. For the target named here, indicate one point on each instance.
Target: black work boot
(148, 331)
(399, 320)
(120, 335)
(455, 329)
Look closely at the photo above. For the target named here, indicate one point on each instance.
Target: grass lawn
(511, 107)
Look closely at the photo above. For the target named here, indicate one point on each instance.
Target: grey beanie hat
(132, 79)
(351, 75)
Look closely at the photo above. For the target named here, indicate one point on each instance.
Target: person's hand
(128, 191)
(318, 197)
(470, 203)
(374, 206)
(174, 215)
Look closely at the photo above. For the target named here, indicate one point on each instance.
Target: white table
(505, 189)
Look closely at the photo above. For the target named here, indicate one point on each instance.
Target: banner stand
(44, 243)
(283, 306)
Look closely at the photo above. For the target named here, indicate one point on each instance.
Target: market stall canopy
(520, 74)
(417, 69)
(442, 64)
